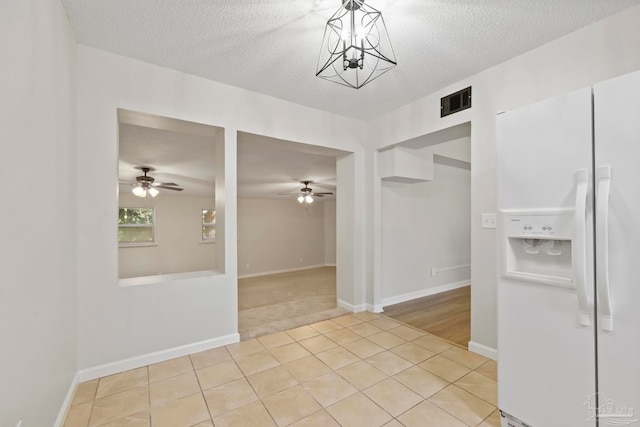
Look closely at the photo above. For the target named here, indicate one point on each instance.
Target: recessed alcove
(169, 232)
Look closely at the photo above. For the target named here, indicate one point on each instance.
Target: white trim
(266, 273)
(346, 306)
(136, 244)
(375, 308)
(436, 270)
(151, 358)
(359, 308)
(162, 278)
(483, 350)
(331, 265)
(423, 293)
(66, 403)
(352, 308)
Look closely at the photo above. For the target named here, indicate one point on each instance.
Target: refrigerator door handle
(579, 256)
(603, 178)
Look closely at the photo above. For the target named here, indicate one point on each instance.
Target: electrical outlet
(19, 424)
(488, 220)
(433, 272)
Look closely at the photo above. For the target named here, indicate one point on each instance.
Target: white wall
(38, 213)
(597, 52)
(425, 225)
(279, 235)
(351, 244)
(116, 323)
(329, 232)
(177, 234)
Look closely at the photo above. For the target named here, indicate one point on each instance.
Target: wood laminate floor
(446, 315)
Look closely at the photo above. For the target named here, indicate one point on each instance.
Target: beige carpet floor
(277, 302)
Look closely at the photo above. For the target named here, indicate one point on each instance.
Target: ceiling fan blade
(326, 186)
(322, 194)
(168, 188)
(171, 184)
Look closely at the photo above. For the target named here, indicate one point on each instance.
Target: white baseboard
(352, 308)
(287, 270)
(423, 293)
(378, 308)
(331, 265)
(483, 350)
(137, 362)
(151, 358)
(62, 415)
(360, 307)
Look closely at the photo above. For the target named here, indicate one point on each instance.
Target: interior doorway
(287, 253)
(426, 234)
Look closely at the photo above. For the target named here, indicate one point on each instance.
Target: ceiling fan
(306, 194)
(146, 185)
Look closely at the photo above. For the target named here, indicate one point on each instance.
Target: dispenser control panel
(539, 225)
(537, 246)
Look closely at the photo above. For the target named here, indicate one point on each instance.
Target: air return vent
(455, 102)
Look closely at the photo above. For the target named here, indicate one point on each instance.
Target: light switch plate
(488, 220)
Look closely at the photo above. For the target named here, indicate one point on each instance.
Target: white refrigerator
(568, 191)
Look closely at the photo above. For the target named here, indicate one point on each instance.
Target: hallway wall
(425, 225)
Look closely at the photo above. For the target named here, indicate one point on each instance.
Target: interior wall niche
(166, 196)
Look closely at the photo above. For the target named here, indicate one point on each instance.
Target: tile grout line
(358, 391)
(314, 355)
(453, 415)
(201, 391)
(146, 368)
(93, 402)
(337, 345)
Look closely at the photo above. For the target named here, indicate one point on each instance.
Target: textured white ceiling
(273, 168)
(272, 46)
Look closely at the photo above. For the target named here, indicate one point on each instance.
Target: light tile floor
(357, 370)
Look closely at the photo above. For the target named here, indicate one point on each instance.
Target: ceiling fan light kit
(355, 48)
(141, 191)
(145, 185)
(307, 194)
(305, 199)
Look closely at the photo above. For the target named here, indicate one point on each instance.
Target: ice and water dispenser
(538, 246)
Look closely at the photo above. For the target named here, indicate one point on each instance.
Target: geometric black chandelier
(355, 48)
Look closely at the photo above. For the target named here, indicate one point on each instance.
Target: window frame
(208, 224)
(151, 242)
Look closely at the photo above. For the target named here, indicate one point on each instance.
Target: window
(208, 225)
(135, 225)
